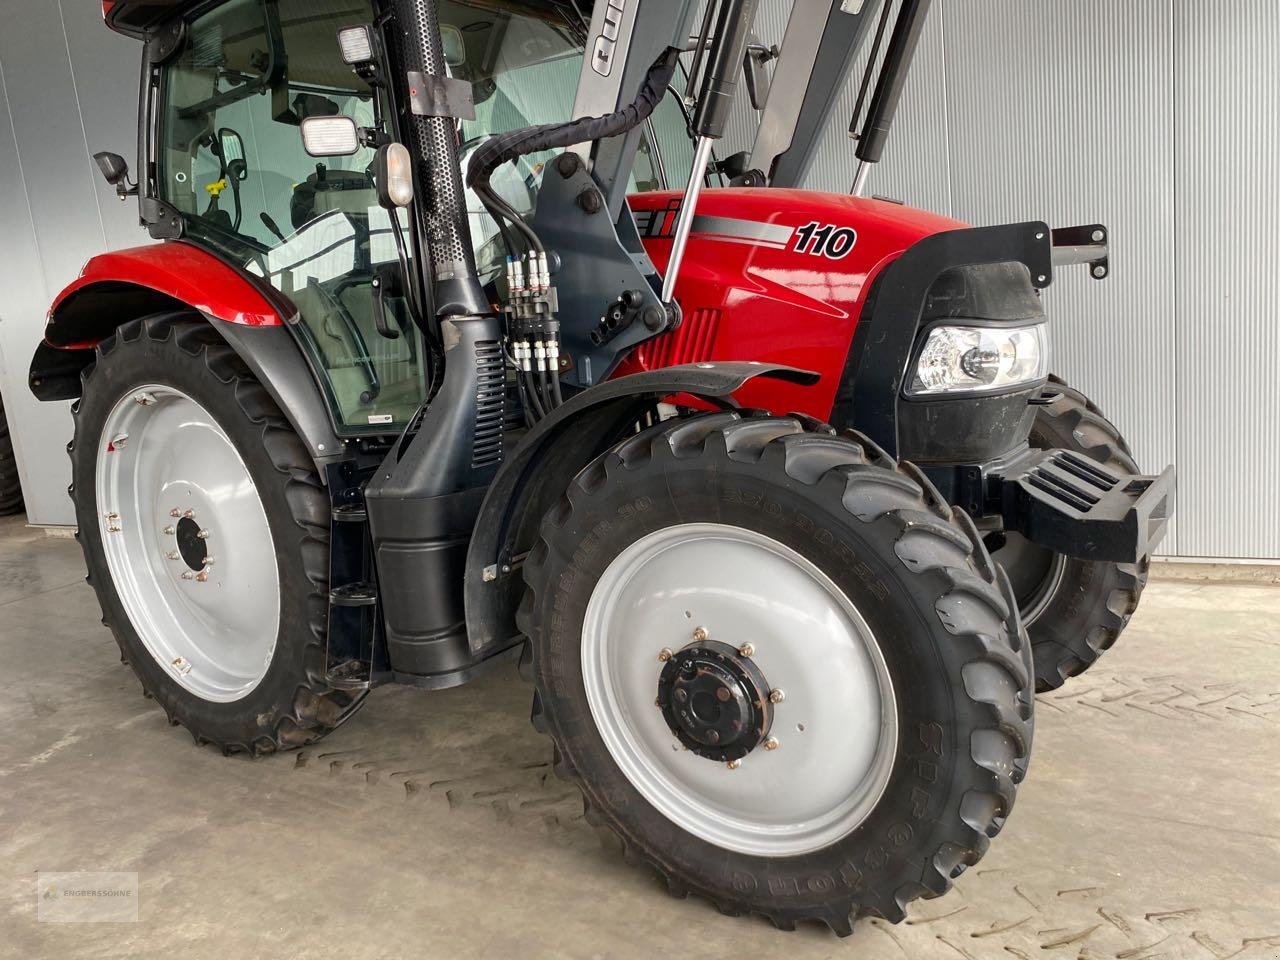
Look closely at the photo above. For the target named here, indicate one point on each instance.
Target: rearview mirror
(754, 72)
(330, 136)
(232, 147)
(116, 172)
(455, 48)
(113, 166)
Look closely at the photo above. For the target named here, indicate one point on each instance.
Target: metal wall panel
(1227, 155)
(70, 88)
(1063, 111)
(1157, 117)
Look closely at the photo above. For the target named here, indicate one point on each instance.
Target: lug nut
(168, 531)
(172, 555)
(747, 650)
(188, 514)
(112, 517)
(700, 634)
(771, 743)
(175, 512)
(776, 696)
(664, 654)
(734, 764)
(188, 575)
(202, 535)
(202, 576)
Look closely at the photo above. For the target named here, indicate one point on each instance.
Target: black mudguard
(540, 469)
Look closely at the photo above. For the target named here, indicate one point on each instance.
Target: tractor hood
(774, 275)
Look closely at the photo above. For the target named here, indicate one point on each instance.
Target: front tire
(850, 587)
(205, 529)
(1073, 609)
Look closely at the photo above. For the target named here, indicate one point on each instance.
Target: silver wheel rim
(164, 464)
(837, 727)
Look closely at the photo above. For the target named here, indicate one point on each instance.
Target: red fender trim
(155, 277)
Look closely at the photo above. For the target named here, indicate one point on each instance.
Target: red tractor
(448, 357)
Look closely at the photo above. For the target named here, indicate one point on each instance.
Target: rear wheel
(1073, 609)
(205, 530)
(780, 669)
(10, 488)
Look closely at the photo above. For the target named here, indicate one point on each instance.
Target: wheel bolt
(664, 654)
(168, 531)
(771, 743)
(202, 535)
(175, 512)
(747, 650)
(188, 575)
(734, 764)
(172, 555)
(700, 634)
(776, 696)
(202, 576)
(188, 514)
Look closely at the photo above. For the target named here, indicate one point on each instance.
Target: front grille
(691, 342)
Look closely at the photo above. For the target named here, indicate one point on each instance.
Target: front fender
(541, 467)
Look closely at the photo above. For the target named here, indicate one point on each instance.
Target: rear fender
(116, 288)
(537, 473)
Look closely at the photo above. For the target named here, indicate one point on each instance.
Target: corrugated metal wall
(68, 88)
(1160, 118)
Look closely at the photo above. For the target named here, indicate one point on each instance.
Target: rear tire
(886, 547)
(1073, 609)
(238, 657)
(10, 486)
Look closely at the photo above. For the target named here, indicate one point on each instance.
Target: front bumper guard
(1078, 507)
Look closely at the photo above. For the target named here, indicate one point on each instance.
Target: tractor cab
(228, 169)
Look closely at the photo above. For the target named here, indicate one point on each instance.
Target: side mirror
(232, 147)
(330, 136)
(115, 170)
(455, 47)
(754, 72)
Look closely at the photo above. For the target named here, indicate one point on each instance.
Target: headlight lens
(980, 359)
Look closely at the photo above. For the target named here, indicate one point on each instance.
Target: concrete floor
(430, 825)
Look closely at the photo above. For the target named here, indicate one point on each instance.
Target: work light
(330, 136)
(356, 44)
(957, 359)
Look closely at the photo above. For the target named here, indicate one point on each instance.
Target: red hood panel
(774, 275)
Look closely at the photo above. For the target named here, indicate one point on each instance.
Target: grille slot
(491, 394)
(692, 342)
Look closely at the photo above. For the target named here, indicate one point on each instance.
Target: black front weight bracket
(1069, 503)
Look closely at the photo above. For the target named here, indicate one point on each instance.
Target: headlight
(980, 359)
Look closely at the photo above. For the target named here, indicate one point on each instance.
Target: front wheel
(1073, 609)
(205, 529)
(779, 668)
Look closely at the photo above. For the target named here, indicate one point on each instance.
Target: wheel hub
(191, 543)
(715, 700)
